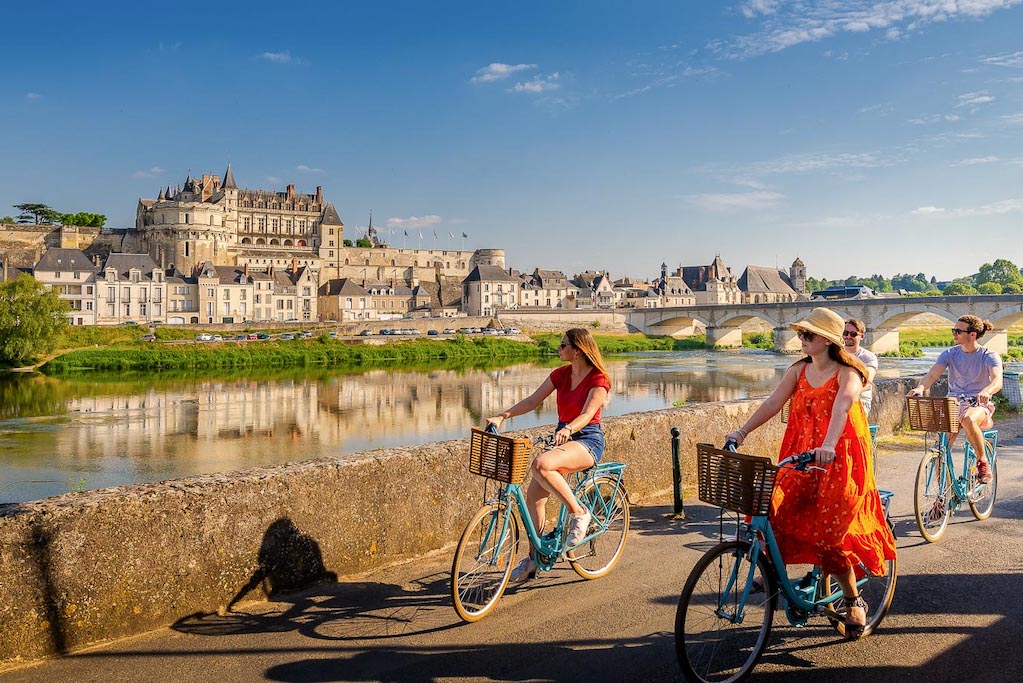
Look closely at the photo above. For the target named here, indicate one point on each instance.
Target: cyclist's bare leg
(549, 470)
(974, 421)
(848, 583)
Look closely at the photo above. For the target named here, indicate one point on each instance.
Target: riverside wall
(98, 565)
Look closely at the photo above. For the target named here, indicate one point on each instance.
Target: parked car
(291, 320)
(287, 336)
(384, 331)
(449, 330)
(262, 335)
(513, 330)
(252, 336)
(433, 333)
(464, 330)
(241, 337)
(149, 337)
(204, 336)
(129, 322)
(364, 333)
(333, 335)
(217, 338)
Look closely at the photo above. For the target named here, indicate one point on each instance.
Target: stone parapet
(93, 566)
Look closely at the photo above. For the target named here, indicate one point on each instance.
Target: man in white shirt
(854, 330)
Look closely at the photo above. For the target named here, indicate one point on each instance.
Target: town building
(763, 285)
(71, 274)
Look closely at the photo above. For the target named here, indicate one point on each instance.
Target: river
(58, 435)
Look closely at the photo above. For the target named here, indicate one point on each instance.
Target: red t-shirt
(572, 401)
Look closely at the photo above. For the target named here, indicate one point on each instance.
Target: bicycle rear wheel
(878, 591)
(609, 505)
(483, 561)
(711, 643)
(932, 496)
(982, 496)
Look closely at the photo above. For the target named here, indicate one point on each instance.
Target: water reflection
(111, 430)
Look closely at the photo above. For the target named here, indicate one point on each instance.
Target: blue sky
(865, 136)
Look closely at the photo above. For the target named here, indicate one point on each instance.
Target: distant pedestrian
(973, 371)
(582, 386)
(851, 337)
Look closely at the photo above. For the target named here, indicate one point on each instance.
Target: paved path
(957, 616)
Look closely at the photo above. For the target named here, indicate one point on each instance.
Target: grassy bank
(610, 344)
(283, 354)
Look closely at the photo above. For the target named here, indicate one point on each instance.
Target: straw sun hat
(822, 321)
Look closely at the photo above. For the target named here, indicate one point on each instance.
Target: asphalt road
(957, 616)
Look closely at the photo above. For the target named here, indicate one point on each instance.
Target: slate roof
(343, 287)
(757, 279)
(490, 274)
(123, 263)
(229, 183)
(57, 259)
(330, 216)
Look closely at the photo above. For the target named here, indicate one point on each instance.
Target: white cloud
(283, 57)
(32, 96)
(415, 222)
(538, 84)
(804, 163)
(273, 180)
(498, 72)
(933, 118)
(998, 208)
(302, 168)
(785, 23)
(149, 173)
(736, 200)
(1013, 119)
(1013, 60)
(972, 99)
(976, 161)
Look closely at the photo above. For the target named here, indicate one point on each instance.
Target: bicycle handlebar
(799, 461)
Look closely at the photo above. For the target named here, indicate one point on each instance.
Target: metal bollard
(676, 468)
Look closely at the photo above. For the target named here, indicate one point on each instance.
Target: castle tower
(797, 274)
(487, 257)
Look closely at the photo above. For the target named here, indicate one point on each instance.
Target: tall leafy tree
(1002, 271)
(32, 320)
(42, 213)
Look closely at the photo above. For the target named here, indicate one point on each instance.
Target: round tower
(487, 257)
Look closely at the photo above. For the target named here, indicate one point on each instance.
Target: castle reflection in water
(153, 429)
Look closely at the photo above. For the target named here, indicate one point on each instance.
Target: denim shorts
(591, 437)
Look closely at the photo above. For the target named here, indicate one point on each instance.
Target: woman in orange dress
(831, 518)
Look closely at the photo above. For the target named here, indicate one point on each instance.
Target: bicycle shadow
(705, 521)
(577, 660)
(288, 562)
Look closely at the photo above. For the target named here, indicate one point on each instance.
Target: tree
(959, 289)
(989, 288)
(32, 320)
(364, 242)
(1012, 289)
(40, 212)
(84, 219)
(1003, 271)
(7, 219)
(348, 243)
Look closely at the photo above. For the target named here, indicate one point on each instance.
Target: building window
(111, 293)
(246, 223)
(210, 293)
(241, 295)
(88, 305)
(227, 294)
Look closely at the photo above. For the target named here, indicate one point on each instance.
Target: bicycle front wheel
(982, 496)
(714, 642)
(483, 561)
(932, 496)
(609, 506)
(878, 591)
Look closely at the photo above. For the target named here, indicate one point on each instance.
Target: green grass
(758, 340)
(283, 354)
(610, 343)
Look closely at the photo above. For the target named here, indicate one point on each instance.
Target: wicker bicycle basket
(933, 414)
(499, 457)
(735, 481)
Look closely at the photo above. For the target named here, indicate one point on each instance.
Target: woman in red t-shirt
(582, 387)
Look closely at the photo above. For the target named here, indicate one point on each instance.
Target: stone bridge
(883, 318)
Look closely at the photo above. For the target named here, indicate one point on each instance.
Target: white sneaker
(524, 570)
(578, 525)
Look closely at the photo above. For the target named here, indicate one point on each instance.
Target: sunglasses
(847, 333)
(956, 330)
(563, 345)
(806, 335)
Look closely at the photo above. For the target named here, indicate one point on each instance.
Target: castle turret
(797, 274)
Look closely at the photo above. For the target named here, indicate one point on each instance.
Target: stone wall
(92, 566)
(598, 321)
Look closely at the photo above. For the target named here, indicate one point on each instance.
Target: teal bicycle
(726, 610)
(488, 547)
(940, 490)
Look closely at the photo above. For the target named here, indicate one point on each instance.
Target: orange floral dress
(832, 518)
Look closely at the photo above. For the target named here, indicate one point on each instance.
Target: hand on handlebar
(562, 436)
(494, 422)
(916, 391)
(824, 454)
(735, 437)
(983, 398)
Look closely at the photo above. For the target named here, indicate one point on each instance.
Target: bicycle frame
(550, 546)
(960, 482)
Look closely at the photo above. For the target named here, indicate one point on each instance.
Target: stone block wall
(87, 567)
